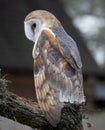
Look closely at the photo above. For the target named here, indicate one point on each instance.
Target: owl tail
(49, 104)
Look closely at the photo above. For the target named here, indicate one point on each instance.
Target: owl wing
(47, 94)
(68, 48)
(63, 65)
(47, 98)
(58, 79)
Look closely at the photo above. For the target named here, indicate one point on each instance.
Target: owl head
(38, 20)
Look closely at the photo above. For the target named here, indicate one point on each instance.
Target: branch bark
(28, 112)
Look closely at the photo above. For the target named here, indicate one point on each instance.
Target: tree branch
(28, 112)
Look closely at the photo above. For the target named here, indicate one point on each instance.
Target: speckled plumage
(57, 65)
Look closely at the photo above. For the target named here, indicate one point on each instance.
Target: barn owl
(57, 64)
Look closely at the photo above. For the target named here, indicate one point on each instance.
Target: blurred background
(84, 20)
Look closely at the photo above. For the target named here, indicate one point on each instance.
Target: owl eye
(33, 26)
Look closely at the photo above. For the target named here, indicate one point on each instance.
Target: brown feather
(62, 63)
(46, 95)
(54, 42)
(48, 103)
